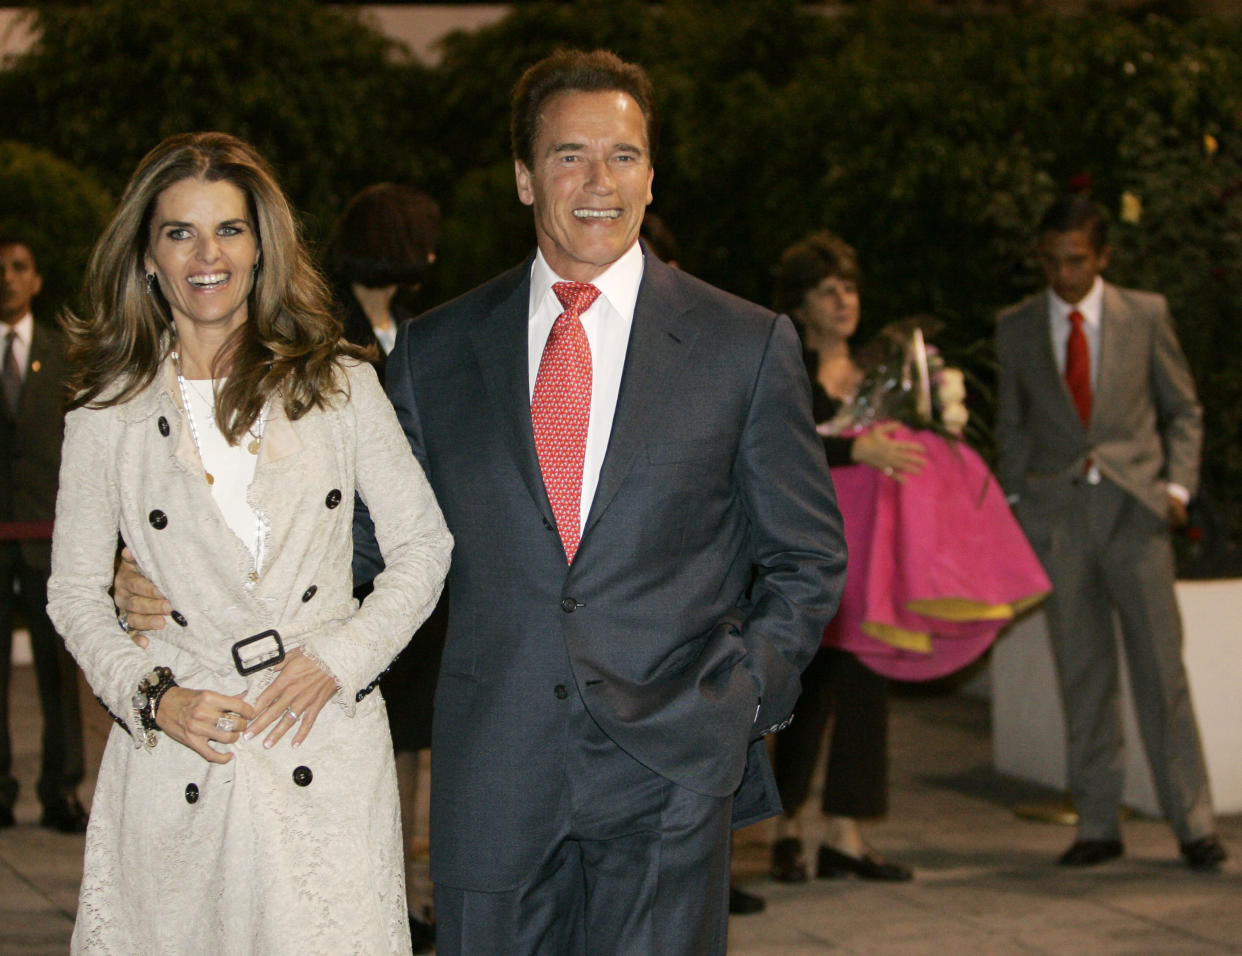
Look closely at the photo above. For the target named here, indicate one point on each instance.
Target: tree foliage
(930, 140)
(58, 210)
(311, 86)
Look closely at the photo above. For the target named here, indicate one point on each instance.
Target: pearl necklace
(261, 522)
(182, 383)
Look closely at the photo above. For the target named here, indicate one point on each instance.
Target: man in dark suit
(32, 375)
(615, 654)
(647, 549)
(1099, 432)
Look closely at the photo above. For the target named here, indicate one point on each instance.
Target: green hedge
(932, 141)
(58, 210)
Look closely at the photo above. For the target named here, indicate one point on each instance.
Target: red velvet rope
(25, 530)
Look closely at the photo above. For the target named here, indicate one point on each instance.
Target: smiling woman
(204, 252)
(249, 740)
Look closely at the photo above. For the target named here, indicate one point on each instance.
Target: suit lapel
(499, 339)
(661, 341)
(1111, 359)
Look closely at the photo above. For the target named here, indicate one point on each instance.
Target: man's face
(591, 180)
(20, 282)
(1071, 263)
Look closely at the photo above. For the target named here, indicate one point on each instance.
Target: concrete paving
(985, 879)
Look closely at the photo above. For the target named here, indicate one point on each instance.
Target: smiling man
(648, 548)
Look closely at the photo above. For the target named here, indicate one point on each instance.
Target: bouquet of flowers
(905, 379)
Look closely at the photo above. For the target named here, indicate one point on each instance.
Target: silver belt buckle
(261, 650)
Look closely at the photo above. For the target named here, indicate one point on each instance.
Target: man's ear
(525, 183)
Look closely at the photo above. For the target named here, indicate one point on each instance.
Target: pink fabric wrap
(937, 564)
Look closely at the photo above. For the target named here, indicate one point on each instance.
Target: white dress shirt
(1090, 306)
(24, 327)
(607, 325)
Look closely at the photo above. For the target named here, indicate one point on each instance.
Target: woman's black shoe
(870, 866)
(742, 903)
(788, 863)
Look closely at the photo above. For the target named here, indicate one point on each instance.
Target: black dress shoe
(788, 863)
(422, 933)
(1205, 854)
(832, 863)
(742, 903)
(1091, 852)
(6, 818)
(65, 815)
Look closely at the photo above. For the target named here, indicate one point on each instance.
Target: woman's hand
(194, 717)
(142, 607)
(296, 696)
(894, 457)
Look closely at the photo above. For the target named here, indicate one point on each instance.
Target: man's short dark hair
(810, 261)
(17, 239)
(598, 71)
(1073, 213)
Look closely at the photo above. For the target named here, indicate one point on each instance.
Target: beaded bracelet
(147, 698)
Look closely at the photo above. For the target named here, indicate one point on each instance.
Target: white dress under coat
(278, 851)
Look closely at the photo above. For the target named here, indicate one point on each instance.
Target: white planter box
(1028, 724)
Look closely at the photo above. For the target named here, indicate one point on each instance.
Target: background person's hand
(295, 697)
(1179, 516)
(194, 717)
(140, 602)
(895, 457)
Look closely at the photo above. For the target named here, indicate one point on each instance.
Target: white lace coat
(278, 851)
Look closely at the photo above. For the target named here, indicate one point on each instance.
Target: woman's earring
(150, 282)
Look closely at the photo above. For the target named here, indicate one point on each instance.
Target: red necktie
(1078, 367)
(560, 410)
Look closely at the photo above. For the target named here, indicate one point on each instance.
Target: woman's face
(830, 309)
(203, 249)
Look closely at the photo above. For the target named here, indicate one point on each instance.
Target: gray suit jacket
(710, 562)
(1146, 426)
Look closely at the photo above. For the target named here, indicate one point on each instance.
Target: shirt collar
(618, 284)
(1090, 305)
(24, 327)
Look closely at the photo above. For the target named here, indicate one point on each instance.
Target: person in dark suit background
(32, 423)
(633, 601)
(1099, 432)
(384, 242)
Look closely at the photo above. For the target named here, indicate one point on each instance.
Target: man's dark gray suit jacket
(711, 560)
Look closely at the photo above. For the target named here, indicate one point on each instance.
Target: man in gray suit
(1099, 432)
(647, 550)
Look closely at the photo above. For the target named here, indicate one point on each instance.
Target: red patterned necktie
(1078, 367)
(560, 410)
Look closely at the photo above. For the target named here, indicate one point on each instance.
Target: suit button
(561, 691)
(179, 618)
(302, 776)
(568, 605)
(333, 499)
(159, 520)
(162, 424)
(191, 793)
(309, 593)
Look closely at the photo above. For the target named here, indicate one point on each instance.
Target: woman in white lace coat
(246, 801)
